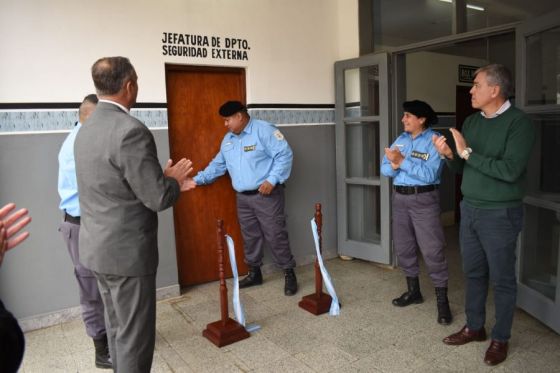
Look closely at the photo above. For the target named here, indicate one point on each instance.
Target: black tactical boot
(443, 312)
(254, 277)
(102, 358)
(290, 284)
(413, 294)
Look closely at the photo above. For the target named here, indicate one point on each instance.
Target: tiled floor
(370, 335)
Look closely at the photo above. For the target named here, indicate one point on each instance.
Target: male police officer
(90, 298)
(259, 160)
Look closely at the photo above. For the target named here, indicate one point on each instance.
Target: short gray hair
(497, 74)
(111, 73)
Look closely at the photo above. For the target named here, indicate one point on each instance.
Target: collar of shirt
(502, 108)
(115, 103)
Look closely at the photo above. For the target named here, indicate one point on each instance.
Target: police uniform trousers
(417, 225)
(262, 218)
(130, 312)
(90, 299)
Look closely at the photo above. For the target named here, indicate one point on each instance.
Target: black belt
(402, 189)
(72, 219)
(252, 192)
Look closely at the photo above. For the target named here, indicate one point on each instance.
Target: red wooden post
(226, 330)
(319, 302)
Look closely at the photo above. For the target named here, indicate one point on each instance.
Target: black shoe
(444, 316)
(102, 358)
(254, 277)
(413, 294)
(290, 284)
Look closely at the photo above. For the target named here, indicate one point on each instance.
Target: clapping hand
(10, 225)
(394, 156)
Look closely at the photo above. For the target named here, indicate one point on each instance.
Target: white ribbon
(335, 306)
(237, 306)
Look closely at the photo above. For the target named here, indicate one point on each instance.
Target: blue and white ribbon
(237, 306)
(335, 306)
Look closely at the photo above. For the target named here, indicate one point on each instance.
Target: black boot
(102, 358)
(443, 312)
(254, 277)
(413, 294)
(290, 283)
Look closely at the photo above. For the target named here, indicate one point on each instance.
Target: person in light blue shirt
(90, 298)
(415, 166)
(259, 160)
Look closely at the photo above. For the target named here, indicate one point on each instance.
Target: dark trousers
(488, 240)
(262, 218)
(90, 299)
(417, 225)
(130, 313)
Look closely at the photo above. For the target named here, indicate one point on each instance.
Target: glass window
(543, 171)
(543, 68)
(364, 220)
(361, 91)
(394, 23)
(362, 149)
(540, 250)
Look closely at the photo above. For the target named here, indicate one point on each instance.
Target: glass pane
(361, 91)
(393, 23)
(543, 68)
(364, 221)
(362, 150)
(539, 267)
(543, 172)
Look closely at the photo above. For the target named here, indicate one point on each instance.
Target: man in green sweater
(492, 154)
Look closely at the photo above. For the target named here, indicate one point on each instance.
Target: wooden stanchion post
(318, 302)
(226, 330)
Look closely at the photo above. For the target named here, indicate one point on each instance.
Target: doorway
(194, 95)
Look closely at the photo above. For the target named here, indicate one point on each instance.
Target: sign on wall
(204, 46)
(466, 73)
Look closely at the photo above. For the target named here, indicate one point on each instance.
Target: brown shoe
(465, 335)
(496, 353)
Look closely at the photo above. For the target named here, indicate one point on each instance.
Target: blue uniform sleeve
(279, 150)
(216, 168)
(428, 171)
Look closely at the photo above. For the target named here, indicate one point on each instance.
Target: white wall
(48, 47)
(431, 77)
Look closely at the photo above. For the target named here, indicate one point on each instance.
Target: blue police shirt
(260, 152)
(422, 164)
(67, 184)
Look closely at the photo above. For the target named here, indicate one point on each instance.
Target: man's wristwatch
(466, 153)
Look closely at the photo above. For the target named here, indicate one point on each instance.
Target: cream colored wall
(431, 77)
(49, 46)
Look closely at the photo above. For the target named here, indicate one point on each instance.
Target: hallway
(370, 335)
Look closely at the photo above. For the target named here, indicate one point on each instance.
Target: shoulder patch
(278, 135)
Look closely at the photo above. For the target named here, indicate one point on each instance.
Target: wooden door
(194, 95)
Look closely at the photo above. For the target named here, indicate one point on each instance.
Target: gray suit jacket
(121, 187)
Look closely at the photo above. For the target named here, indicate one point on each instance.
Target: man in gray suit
(121, 188)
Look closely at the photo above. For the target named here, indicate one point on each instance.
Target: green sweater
(494, 174)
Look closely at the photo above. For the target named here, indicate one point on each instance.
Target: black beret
(421, 110)
(230, 108)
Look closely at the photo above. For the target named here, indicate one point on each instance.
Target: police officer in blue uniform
(90, 298)
(259, 160)
(415, 166)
